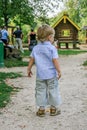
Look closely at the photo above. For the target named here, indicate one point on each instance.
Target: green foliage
(72, 8)
(55, 19)
(85, 63)
(25, 11)
(25, 30)
(77, 12)
(5, 11)
(6, 90)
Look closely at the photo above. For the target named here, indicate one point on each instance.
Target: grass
(26, 53)
(11, 75)
(6, 90)
(18, 63)
(85, 63)
(62, 52)
(15, 63)
(71, 52)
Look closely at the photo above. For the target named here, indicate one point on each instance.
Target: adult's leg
(20, 45)
(16, 43)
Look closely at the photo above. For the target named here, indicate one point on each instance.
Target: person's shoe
(54, 111)
(40, 112)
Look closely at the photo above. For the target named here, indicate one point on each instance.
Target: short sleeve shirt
(17, 33)
(44, 53)
(4, 34)
(32, 36)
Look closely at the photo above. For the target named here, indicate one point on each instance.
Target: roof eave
(68, 20)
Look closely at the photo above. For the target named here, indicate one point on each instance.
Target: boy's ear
(49, 37)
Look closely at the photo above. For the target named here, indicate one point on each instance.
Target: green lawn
(61, 52)
(70, 52)
(15, 62)
(6, 90)
(85, 63)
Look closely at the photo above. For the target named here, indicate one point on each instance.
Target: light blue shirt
(43, 53)
(4, 34)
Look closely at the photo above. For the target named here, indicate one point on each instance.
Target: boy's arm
(31, 62)
(57, 66)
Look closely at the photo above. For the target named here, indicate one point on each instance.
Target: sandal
(40, 113)
(54, 111)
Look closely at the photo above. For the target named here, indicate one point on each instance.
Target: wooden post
(59, 45)
(67, 45)
(74, 45)
(86, 36)
(12, 39)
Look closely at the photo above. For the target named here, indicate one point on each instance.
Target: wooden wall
(71, 33)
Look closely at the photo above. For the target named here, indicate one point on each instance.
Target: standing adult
(32, 40)
(5, 40)
(18, 38)
(5, 36)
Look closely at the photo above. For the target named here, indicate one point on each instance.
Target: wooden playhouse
(66, 31)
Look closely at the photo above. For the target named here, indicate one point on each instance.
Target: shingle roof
(65, 17)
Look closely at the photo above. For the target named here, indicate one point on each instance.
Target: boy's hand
(59, 75)
(29, 74)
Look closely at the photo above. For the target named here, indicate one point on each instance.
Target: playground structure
(66, 31)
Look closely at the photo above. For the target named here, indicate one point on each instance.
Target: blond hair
(44, 31)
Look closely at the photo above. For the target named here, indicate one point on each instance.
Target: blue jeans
(47, 92)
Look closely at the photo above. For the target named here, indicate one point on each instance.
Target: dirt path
(20, 113)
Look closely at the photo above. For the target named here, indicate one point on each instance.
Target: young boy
(45, 57)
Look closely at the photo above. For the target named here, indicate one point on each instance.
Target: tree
(72, 7)
(4, 11)
(77, 10)
(25, 11)
(21, 9)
